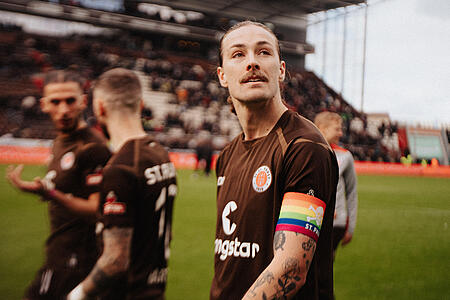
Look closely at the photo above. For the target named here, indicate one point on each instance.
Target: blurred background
(383, 65)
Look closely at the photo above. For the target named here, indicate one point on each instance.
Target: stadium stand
(181, 93)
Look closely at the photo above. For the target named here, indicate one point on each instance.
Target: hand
(13, 175)
(347, 238)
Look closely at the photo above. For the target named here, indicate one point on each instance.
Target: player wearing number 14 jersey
(136, 199)
(138, 193)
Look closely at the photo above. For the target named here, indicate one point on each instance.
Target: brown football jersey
(138, 191)
(75, 168)
(252, 177)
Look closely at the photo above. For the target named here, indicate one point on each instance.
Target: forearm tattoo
(291, 279)
(114, 260)
(288, 281)
(266, 278)
(100, 280)
(116, 240)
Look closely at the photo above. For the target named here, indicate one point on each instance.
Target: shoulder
(139, 153)
(92, 151)
(306, 149)
(93, 148)
(125, 156)
(302, 135)
(308, 154)
(293, 127)
(122, 161)
(89, 140)
(89, 135)
(310, 165)
(337, 149)
(343, 154)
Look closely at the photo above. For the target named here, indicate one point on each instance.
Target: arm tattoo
(114, 261)
(293, 269)
(288, 281)
(101, 280)
(309, 244)
(117, 243)
(117, 233)
(266, 277)
(279, 240)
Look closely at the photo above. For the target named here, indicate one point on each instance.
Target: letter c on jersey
(227, 228)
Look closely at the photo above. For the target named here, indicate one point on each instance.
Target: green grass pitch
(400, 249)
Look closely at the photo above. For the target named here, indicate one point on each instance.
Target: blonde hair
(325, 118)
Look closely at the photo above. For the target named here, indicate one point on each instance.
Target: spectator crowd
(195, 101)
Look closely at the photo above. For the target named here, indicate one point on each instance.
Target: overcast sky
(407, 62)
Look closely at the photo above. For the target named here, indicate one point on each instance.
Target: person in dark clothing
(136, 199)
(74, 174)
(276, 183)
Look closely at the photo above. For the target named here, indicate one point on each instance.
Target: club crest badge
(262, 179)
(67, 160)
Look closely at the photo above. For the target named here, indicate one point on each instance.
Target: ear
(222, 77)
(84, 100)
(282, 71)
(44, 105)
(324, 130)
(99, 108)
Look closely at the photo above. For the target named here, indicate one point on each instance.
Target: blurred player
(74, 173)
(276, 183)
(330, 124)
(136, 201)
(204, 151)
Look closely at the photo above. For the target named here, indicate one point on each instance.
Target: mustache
(253, 75)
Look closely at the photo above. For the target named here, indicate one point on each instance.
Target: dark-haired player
(276, 183)
(74, 173)
(136, 201)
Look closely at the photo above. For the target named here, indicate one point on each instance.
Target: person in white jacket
(330, 124)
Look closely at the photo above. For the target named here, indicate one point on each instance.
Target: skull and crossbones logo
(318, 215)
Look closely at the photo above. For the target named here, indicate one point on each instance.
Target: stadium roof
(280, 12)
(283, 13)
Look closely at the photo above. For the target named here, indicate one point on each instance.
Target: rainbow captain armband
(301, 213)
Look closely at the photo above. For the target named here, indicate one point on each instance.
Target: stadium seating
(181, 93)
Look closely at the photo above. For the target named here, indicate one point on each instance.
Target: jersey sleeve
(118, 192)
(91, 160)
(309, 168)
(310, 175)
